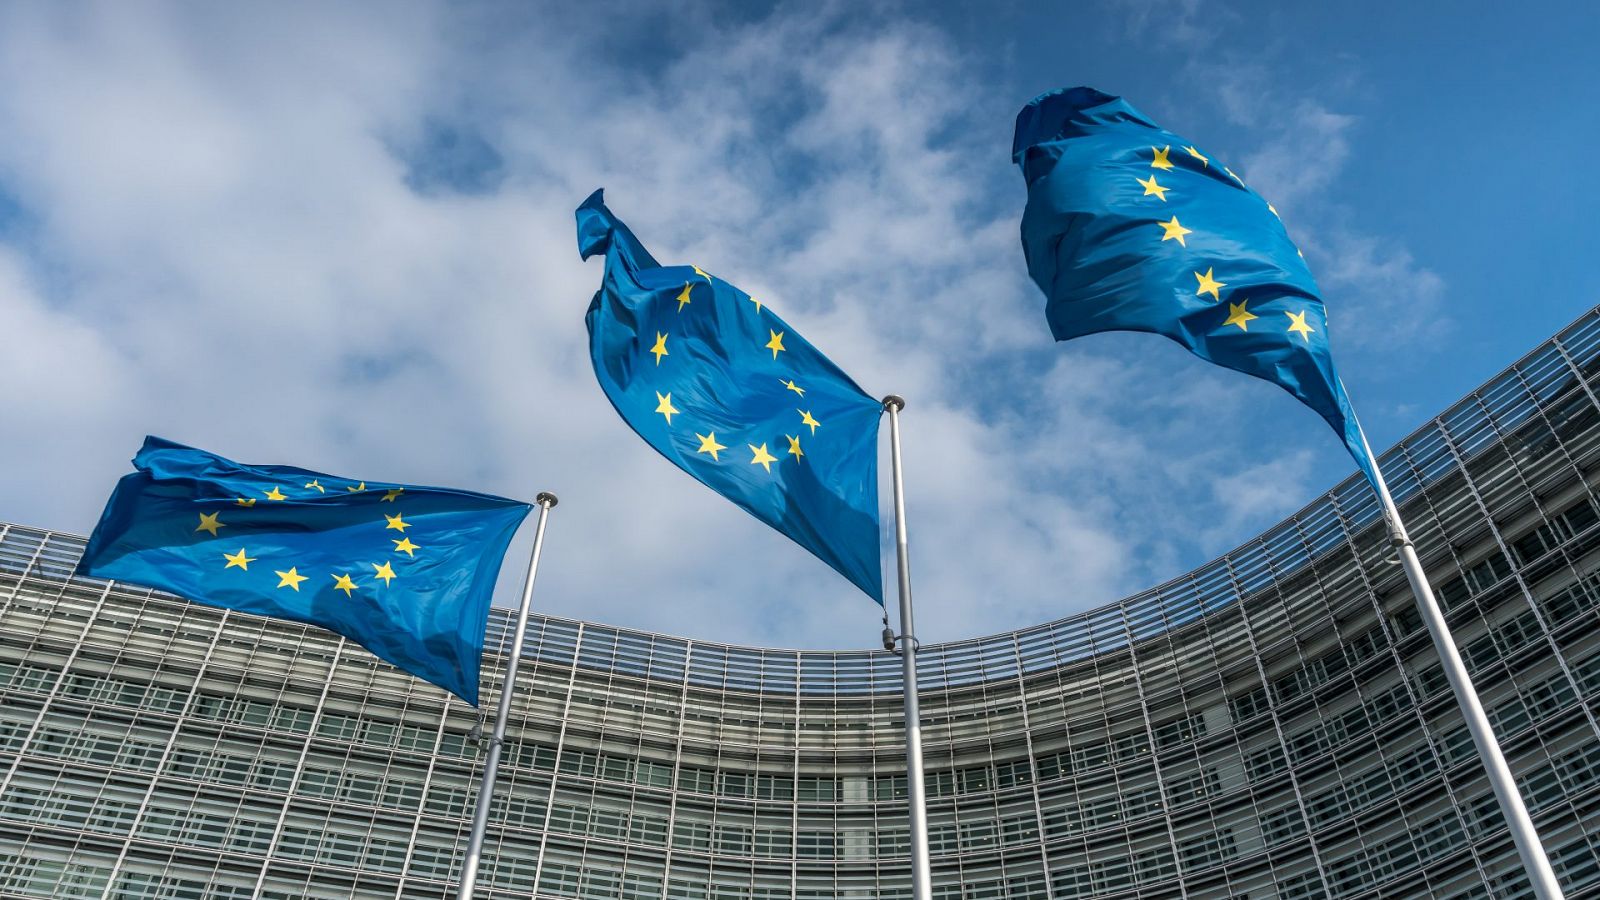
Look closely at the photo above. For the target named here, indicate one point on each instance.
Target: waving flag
(405, 571)
(1130, 227)
(713, 379)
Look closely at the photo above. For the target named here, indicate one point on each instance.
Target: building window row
(1116, 873)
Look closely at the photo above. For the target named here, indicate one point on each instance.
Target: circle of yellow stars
(709, 445)
(290, 578)
(1239, 314)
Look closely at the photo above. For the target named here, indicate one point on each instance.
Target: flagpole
(916, 791)
(480, 817)
(1540, 875)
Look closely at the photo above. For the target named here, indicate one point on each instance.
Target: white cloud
(66, 388)
(1303, 153)
(1388, 301)
(1183, 23)
(1267, 490)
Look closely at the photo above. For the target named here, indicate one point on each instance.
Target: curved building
(1272, 725)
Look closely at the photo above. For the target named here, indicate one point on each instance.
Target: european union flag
(1131, 228)
(714, 380)
(405, 571)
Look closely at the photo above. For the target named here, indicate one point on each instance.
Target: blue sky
(341, 238)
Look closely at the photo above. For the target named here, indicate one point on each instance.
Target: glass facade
(1272, 725)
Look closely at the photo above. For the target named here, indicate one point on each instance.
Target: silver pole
(1540, 875)
(916, 791)
(480, 816)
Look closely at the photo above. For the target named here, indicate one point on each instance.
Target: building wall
(1273, 724)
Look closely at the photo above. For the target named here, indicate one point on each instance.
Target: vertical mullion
(555, 771)
(299, 769)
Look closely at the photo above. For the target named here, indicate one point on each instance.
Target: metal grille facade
(1272, 725)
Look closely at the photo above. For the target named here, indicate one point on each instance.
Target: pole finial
(546, 499)
(894, 402)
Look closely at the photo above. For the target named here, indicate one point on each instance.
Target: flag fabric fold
(720, 385)
(1129, 227)
(403, 570)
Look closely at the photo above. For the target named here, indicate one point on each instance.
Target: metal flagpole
(1540, 875)
(916, 791)
(480, 817)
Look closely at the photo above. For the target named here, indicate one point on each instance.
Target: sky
(340, 237)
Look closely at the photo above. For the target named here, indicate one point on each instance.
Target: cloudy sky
(341, 238)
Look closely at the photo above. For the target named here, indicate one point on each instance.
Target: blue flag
(405, 571)
(714, 380)
(1131, 228)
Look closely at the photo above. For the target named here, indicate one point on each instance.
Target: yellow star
(1151, 186)
(805, 419)
(1196, 154)
(405, 546)
(1173, 230)
(1238, 315)
(1273, 209)
(762, 457)
(343, 583)
(290, 579)
(660, 349)
(1208, 285)
(1235, 177)
(238, 559)
(776, 344)
(276, 494)
(357, 489)
(708, 444)
(384, 572)
(314, 484)
(702, 273)
(396, 523)
(1161, 161)
(210, 523)
(1298, 324)
(793, 387)
(390, 494)
(757, 303)
(794, 447)
(683, 298)
(243, 501)
(665, 407)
